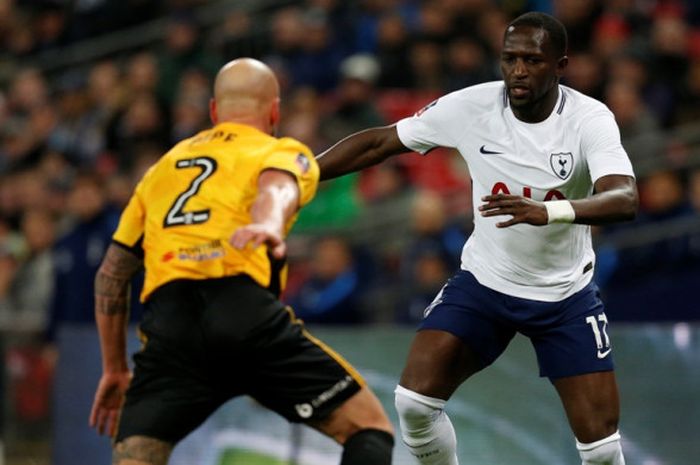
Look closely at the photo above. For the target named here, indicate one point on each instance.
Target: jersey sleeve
(600, 140)
(130, 230)
(428, 128)
(295, 158)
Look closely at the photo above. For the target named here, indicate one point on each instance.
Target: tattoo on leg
(141, 450)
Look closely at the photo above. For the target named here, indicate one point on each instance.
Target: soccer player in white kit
(546, 163)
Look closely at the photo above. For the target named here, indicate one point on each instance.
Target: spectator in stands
(355, 104)
(611, 36)
(430, 269)
(630, 110)
(79, 131)
(466, 64)
(27, 283)
(392, 52)
(332, 292)
(78, 253)
(142, 124)
(427, 65)
(182, 50)
(190, 111)
(587, 74)
(319, 55)
(431, 231)
(142, 73)
(688, 110)
(239, 36)
(694, 189)
(669, 47)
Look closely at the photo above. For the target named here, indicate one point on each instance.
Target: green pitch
(241, 457)
(504, 415)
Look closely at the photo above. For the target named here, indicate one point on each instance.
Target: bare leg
(591, 403)
(438, 362)
(593, 408)
(361, 411)
(362, 427)
(141, 450)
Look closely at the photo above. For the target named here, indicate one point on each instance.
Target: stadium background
(92, 92)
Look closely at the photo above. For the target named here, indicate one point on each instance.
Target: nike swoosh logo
(604, 354)
(488, 152)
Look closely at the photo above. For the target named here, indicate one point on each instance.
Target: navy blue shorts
(570, 337)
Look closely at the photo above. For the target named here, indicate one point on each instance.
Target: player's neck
(538, 110)
(252, 121)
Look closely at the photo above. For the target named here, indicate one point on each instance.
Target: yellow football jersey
(188, 204)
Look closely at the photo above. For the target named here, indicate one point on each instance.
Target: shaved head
(246, 91)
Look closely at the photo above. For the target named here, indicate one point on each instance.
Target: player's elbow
(630, 205)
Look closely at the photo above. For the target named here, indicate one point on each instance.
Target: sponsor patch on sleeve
(427, 107)
(303, 163)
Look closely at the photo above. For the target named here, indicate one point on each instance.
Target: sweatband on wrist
(559, 211)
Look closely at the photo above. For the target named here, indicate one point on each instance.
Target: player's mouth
(519, 91)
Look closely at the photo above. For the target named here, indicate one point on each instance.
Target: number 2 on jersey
(176, 215)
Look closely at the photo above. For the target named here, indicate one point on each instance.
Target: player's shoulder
(485, 93)
(290, 144)
(581, 106)
(466, 102)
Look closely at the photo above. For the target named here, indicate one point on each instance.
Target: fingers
(255, 237)
(113, 421)
(522, 210)
(104, 420)
(280, 251)
(240, 238)
(93, 415)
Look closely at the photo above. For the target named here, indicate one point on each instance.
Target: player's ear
(212, 111)
(275, 113)
(561, 65)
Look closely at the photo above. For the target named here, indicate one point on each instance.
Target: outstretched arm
(277, 201)
(111, 314)
(360, 150)
(615, 199)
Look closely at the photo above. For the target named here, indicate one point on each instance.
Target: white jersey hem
(528, 292)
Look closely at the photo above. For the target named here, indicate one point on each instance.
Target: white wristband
(559, 211)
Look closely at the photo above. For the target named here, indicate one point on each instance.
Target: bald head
(246, 91)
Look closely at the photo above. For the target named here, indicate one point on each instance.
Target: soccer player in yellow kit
(208, 223)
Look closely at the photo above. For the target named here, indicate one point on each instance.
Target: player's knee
(425, 428)
(363, 411)
(141, 450)
(595, 429)
(368, 447)
(606, 451)
(418, 415)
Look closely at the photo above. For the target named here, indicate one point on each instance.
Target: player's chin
(520, 100)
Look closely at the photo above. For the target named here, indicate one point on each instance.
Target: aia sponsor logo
(502, 188)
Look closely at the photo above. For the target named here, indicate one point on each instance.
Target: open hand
(522, 209)
(258, 234)
(108, 402)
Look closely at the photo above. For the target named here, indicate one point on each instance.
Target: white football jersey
(558, 158)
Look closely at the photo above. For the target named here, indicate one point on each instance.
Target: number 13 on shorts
(599, 326)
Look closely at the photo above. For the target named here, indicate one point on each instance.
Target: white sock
(425, 428)
(606, 451)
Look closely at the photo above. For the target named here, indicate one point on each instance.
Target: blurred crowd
(373, 247)
(75, 139)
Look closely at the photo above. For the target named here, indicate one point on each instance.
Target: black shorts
(209, 341)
